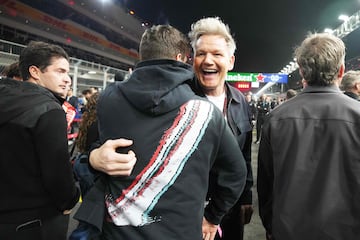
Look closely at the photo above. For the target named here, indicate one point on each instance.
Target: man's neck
(215, 92)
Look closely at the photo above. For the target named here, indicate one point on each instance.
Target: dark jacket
(239, 120)
(309, 167)
(178, 137)
(262, 108)
(35, 173)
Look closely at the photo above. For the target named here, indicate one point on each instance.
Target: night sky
(266, 31)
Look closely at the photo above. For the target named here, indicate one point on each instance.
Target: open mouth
(209, 71)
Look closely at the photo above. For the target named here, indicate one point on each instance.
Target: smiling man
(35, 173)
(214, 49)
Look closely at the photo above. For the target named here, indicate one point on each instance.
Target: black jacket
(239, 120)
(178, 137)
(36, 178)
(309, 167)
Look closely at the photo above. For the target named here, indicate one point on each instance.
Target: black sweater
(35, 173)
(178, 137)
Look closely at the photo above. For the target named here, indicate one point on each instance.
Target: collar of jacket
(163, 62)
(352, 95)
(232, 93)
(322, 89)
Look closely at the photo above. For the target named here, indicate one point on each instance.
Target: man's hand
(107, 160)
(246, 213)
(208, 230)
(67, 212)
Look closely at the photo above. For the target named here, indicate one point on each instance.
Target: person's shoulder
(200, 104)
(196, 100)
(206, 107)
(236, 94)
(110, 92)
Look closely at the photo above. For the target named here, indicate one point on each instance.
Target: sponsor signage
(243, 85)
(257, 77)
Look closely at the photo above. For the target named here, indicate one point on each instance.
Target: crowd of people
(172, 159)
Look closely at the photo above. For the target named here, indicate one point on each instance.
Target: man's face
(56, 76)
(212, 61)
(248, 98)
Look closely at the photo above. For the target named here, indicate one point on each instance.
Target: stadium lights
(343, 17)
(328, 30)
(349, 25)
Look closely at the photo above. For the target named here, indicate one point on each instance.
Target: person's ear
(231, 63)
(301, 72)
(341, 71)
(34, 72)
(181, 58)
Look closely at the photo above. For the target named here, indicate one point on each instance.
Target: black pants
(259, 124)
(231, 226)
(54, 228)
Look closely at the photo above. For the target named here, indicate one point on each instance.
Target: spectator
(88, 134)
(252, 105)
(35, 171)
(214, 49)
(308, 162)
(262, 108)
(290, 94)
(119, 76)
(70, 98)
(188, 137)
(350, 84)
(13, 71)
(94, 90)
(87, 93)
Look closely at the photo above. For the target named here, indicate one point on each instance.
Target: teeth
(210, 70)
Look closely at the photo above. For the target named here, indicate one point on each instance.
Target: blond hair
(211, 26)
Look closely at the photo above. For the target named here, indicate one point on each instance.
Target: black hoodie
(35, 174)
(178, 137)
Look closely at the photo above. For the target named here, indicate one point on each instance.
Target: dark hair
(86, 91)
(39, 54)
(88, 118)
(12, 70)
(163, 41)
(119, 76)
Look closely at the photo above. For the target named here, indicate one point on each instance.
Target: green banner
(242, 77)
(257, 77)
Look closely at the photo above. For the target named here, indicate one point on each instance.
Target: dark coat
(309, 167)
(239, 120)
(35, 172)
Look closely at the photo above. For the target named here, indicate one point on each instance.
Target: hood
(17, 97)
(158, 86)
